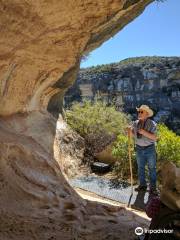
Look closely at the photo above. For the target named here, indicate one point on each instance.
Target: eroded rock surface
(170, 193)
(41, 46)
(145, 80)
(70, 147)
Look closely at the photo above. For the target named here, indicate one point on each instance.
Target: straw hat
(147, 109)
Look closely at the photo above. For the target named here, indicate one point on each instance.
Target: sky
(156, 32)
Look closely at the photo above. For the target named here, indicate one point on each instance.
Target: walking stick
(130, 166)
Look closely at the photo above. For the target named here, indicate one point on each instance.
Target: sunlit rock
(42, 43)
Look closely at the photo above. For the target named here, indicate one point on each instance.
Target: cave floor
(111, 189)
(96, 198)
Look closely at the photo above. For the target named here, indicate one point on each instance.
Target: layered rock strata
(145, 80)
(41, 46)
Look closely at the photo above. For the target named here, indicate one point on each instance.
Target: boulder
(170, 192)
(71, 147)
(106, 156)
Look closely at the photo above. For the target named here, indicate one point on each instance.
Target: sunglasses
(141, 112)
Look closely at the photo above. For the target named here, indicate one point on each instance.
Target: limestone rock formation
(170, 193)
(151, 80)
(70, 147)
(106, 156)
(40, 49)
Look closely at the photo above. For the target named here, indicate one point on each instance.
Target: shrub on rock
(98, 123)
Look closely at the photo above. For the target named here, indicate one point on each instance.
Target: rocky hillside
(150, 80)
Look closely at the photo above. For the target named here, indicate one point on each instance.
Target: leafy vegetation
(101, 125)
(98, 123)
(168, 146)
(120, 150)
(94, 117)
(128, 61)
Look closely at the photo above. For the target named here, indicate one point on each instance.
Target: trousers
(146, 155)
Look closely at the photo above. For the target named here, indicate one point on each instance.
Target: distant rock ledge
(143, 80)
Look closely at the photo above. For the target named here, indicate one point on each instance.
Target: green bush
(168, 149)
(168, 145)
(96, 117)
(120, 150)
(98, 123)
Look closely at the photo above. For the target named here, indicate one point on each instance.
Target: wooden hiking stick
(130, 166)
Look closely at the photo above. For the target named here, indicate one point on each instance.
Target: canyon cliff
(154, 81)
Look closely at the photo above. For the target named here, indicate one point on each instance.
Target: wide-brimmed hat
(147, 109)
